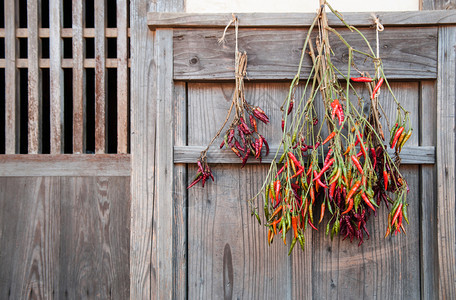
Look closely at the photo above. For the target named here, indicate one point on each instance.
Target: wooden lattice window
(64, 77)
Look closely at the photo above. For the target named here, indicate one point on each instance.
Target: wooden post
(100, 77)
(11, 105)
(56, 75)
(446, 191)
(34, 78)
(79, 92)
(122, 77)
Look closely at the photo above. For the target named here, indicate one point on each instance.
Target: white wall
(298, 5)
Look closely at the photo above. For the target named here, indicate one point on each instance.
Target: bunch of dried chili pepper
(242, 136)
(340, 166)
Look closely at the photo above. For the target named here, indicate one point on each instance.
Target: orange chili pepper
(350, 206)
(363, 195)
(322, 212)
(353, 190)
(357, 164)
(294, 224)
(277, 211)
(385, 179)
(333, 134)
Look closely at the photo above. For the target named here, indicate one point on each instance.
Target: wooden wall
(64, 237)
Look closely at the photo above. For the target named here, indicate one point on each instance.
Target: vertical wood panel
(380, 268)
(122, 77)
(29, 237)
(143, 146)
(34, 78)
(100, 77)
(94, 241)
(446, 204)
(56, 75)
(180, 195)
(437, 4)
(228, 255)
(79, 92)
(163, 90)
(11, 104)
(428, 191)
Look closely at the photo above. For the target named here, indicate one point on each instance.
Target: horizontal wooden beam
(65, 33)
(274, 54)
(65, 165)
(271, 20)
(67, 63)
(423, 155)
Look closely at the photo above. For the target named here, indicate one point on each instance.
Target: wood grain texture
(16, 165)
(418, 155)
(163, 223)
(79, 82)
(228, 255)
(122, 77)
(180, 195)
(34, 78)
(143, 111)
(29, 237)
(100, 77)
(11, 99)
(428, 192)
(446, 204)
(94, 245)
(56, 76)
(405, 52)
(143, 280)
(259, 20)
(65, 32)
(67, 63)
(437, 4)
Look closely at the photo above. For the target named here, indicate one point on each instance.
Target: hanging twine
(379, 29)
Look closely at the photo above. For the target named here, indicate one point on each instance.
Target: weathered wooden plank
(100, 77)
(122, 77)
(163, 91)
(56, 75)
(67, 63)
(142, 153)
(34, 78)
(16, 165)
(437, 4)
(407, 53)
(259, 20)
(79, 100)
(228, 254)
(94, 240)
(446, 205)
(11, 104)
(428, 192)
(180, 195)
(29, 237)
(227, 249)
(65, 32)
(418, 155)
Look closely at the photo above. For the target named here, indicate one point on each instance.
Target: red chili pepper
(363, 195)
(396, 136)
(349, 208)
(396, 215)
(319, 181)
(357, 164)
(353, 190)
(300, 171)
(310, 169)
(324, 169)
(361, 79)
(377, 87)
(281, 169)
(374, 156)
(294, 159)
(253, 123)
(277, 190)
(332, 189)
(385, 179)
(283, 124)
(328, 156)
(312, 225)
(340, 115)
(333, 134)
(236, 151)
(290, 108)
(197, 179)
(222, 144)
(265, 144)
